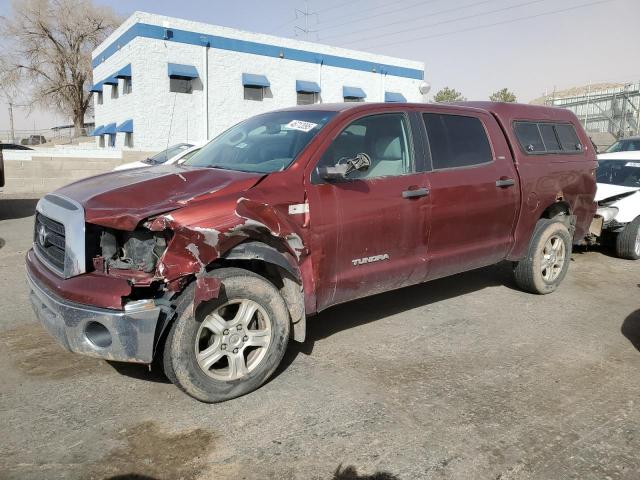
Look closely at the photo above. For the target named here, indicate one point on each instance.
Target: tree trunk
(78, 123)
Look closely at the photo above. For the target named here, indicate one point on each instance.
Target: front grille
(49, 241)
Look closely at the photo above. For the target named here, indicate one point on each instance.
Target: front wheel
(233, 343)
(628, 241)
(547, 260)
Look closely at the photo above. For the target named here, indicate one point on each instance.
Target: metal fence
(61, 135)
(612, 110)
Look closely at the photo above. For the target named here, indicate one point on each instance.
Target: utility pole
(306, 13)
(13, 133)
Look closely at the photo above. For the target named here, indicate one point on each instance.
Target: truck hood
(123, 199)
(606, 191)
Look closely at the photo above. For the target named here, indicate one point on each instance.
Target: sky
(474, 46)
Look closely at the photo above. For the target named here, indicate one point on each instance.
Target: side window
(457, 141)
(180, 85)
(384, 138)
(549, 137)
(568, 138)
(529, 137)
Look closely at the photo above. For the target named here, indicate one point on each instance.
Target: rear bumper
(122, 335)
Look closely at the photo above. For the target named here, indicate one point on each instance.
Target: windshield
(619, 172)
(170, 152)
(624, 146)
(263, 144)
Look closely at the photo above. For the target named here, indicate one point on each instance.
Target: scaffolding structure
(613, 110)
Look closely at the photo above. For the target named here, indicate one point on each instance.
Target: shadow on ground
(11, 208)
(350, 473)
(370, 309)
(631, 329)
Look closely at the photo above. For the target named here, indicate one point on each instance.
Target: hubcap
(638, 242)
(233, 340)
(553, 258)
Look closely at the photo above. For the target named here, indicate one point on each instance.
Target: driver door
(369, 230)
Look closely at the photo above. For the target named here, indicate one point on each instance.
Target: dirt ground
(461, 378)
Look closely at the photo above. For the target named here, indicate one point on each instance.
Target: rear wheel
(628, 241)
(233, 344)
(547, 260)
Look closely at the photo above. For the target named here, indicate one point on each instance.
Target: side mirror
(361, 162)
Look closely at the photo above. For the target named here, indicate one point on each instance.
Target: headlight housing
(607, 213)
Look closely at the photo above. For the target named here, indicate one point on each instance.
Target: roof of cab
(506, 111)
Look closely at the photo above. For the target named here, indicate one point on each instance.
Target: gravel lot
(464, 378)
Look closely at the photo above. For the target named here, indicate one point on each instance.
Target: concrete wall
(41, 175)
(161, 117)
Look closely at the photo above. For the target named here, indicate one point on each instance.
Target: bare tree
(47, 56)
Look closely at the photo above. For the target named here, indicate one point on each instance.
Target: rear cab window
(457, 141)
(539, 138)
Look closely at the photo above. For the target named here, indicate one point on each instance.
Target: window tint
(253, 93)
(568, 138)
(457, 141)
(549, 137)
(384, 138)
(307, 98)
(180, 85)
(529, 136)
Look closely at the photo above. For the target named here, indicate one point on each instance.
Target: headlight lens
(607, 213)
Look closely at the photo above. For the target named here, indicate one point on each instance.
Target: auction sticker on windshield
(633, 164)
(300, 125)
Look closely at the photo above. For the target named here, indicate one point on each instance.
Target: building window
(114, 91)
(126, 85)
(128, 140)
(112, 140)
(307, 98)
(253, 93)
(353, 99)
(180, 85)
(99, 98)
(101, 142)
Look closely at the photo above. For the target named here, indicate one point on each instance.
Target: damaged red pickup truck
(210, 267)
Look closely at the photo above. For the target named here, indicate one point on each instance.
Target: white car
(618, 198)
(174, 154)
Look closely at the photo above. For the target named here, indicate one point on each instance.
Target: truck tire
(233, 343)
(628, 241)
(547, 260)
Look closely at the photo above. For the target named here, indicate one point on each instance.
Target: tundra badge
(375, 258)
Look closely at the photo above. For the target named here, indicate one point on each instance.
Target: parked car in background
(617, 219)
(173, 154)
(13, 146)
(34, 140)
(211, 266)
(625, 145)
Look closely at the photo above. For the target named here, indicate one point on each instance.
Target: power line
(453, 20)
(360, 19)
(351, 32)
(479, 27)
(293, 20)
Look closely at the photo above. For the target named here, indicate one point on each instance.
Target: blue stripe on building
(194, 38)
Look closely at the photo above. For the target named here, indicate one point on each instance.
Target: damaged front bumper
(122, 335)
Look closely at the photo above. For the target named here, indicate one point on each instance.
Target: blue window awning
(253, 80)
(126, 127)
(96, 88)
(97, 131)
(109, 129)
(353, 92)
(307, 87)
(124, 72)
(176, 70)
(110, 81)
(394, 97)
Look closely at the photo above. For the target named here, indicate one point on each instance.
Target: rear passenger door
(474, 191)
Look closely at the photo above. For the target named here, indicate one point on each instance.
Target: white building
(161, 80)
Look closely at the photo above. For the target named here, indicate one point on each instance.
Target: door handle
(418, 192)
(505, 182)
